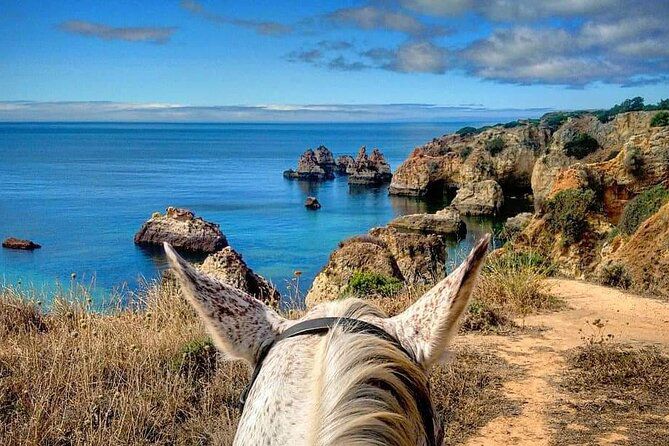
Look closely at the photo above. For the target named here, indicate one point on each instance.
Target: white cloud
(129, 34)
(17, 111)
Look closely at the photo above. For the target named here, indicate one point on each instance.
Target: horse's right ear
(427, 326)
(238, 323)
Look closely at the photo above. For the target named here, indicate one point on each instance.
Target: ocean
(82, 190)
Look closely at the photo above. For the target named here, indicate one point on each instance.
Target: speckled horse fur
(342, 388)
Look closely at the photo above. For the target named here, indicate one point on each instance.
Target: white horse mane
(365, 387)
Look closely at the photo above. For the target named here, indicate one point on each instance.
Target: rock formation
(228, 266)
(629, 157)
(313, 165)
(184, 231)
(372, 170)
(446, 222)
(17, 243)
(409, 257)
(312, 203)
(480, 198)
(343, 164)
(501, 153)
(516, 224)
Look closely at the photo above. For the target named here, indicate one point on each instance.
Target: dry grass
(147, 374)
(613, 388)
(512, 286)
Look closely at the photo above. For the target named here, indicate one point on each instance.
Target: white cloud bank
(29, 111)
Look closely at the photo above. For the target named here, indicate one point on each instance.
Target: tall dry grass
(74, 377)
(145, 373)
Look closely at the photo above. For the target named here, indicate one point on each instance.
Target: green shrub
(641, 207)
(363, 283)
(554, 120)
(633, 161)
(466, 151)
(464, 131)
(495, 145)
(581, 146)
(567, 212)
(660, 119)
(615, 275)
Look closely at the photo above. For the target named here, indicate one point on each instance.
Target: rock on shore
(411, 258)
(446, 221)
(180, 228)
(369, 170)
(17, 243)
(480, 198)
(228, 266)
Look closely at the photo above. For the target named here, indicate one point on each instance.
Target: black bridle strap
(325, 324)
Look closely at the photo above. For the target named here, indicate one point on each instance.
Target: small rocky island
(17, 243)
(320, 165)
(181, 229)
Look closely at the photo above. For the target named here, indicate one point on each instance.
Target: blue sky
(266, 60)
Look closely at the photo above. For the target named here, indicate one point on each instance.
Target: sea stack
(313, 165)
(180, 228)
(372, 170)
(312, 203)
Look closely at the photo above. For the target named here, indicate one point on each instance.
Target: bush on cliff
(495, 145)
(633, 161)
(641, 207)
(660, 119)
(365, 284)
(581, 146)
(464, 131)
(567, 212)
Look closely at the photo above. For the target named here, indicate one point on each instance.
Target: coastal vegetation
(641, 207)
(581, 146)
(567, 212)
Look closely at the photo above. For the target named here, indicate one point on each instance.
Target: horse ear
(427, 326)
(238, 323)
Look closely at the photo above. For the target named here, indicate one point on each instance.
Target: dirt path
(630, 318)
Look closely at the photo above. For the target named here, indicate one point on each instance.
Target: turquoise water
(83, 190)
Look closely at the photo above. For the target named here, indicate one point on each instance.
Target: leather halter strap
(325, 324)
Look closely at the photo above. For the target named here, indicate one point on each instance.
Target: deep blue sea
(82, 190)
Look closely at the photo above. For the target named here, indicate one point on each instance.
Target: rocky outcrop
(480, 198)
(368, 254)
(409, 257)
(184, 231)
(343, 164)
(516, 224)
(229, 267)
(446, 222)
(312, 203)
(313, 165)
(616, 140)
(643, 259)
(420, 258)
(372, 170)
(17, 243)
(506, 155)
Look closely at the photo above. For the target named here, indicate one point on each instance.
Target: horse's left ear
(238, 323)
(427, 326)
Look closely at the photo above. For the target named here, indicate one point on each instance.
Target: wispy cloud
(620, 42)
(129, 34)
(376, 18)
(267, 28)
(26, 111)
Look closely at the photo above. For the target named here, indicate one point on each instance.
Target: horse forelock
(364, 386)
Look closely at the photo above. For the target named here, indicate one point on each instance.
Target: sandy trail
(630, 318)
